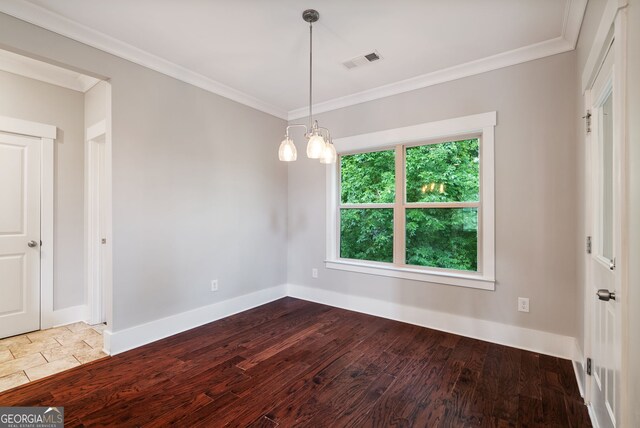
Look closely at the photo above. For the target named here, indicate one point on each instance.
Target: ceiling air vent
(362, 60)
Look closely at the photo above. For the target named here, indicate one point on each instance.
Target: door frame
(47, 135)
(613, 26)
(97, 291)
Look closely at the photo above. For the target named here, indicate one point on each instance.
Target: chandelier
(319, 144)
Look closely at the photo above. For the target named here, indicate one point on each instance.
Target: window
(415, 203)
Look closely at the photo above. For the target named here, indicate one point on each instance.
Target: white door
(606, 229)
(19, 234)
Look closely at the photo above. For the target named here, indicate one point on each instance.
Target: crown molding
(572, 20)
(44, 18)
(571, 23)
(573, 16)
(505, 59)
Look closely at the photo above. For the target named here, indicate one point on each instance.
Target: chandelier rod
(310, 75)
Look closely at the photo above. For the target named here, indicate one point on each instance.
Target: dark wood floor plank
(296, 363)
(362, 404)
(175, 392)
(279, 346)
(176, 413)
(438, 409)
(507, 374)
(262, 422)
(313, 381)
(554, 409)
(333, 351)
(530, 381)
(577, 412)
(340, 395)
(251, 337)
(530, 412)
(400, 401)
(568, 378)
(221, 330)
(434, 391)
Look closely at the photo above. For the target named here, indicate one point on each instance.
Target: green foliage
(435, 237)
(368, 178)
(442, 237)
(445, 172)
(367, 234)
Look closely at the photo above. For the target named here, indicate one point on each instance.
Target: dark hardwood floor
(295, 363)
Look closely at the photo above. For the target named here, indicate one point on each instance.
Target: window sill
(448, 278)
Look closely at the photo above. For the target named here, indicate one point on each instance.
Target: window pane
(444, 172)
(368, 177)
(443, 238)
(367, 234)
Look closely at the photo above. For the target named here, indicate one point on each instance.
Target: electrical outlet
(314, 273)
(214, 285)
(523, 304)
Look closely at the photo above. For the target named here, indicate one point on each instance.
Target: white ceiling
(256, 51)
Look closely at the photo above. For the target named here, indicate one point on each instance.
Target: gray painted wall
(29, 99)
(95, 104)
(536, 201)
(198, 191)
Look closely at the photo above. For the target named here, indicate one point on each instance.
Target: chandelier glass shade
(315, 146)
(287, 151)
(329, 154)
(319, 143)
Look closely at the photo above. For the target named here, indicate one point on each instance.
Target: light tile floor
(35, 355)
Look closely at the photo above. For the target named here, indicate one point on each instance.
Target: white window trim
(482, 124)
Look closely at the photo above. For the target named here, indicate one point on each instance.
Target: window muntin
(434, 220)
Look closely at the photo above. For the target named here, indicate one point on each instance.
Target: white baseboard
(490, 331)
(70, 315)
(592, 416)
(581, 377)
(578, 367)
(124, 340)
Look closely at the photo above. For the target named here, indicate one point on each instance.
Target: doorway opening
(55, 189)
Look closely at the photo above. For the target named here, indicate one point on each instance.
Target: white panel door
(19, 234)
(606, 227)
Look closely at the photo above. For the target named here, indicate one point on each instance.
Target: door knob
(606, 295)
(32, 244)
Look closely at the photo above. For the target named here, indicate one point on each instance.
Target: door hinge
(589, 366)
(587, 119)
(588, 245)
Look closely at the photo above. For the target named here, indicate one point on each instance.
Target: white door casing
(19, 234)
(96, 218)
